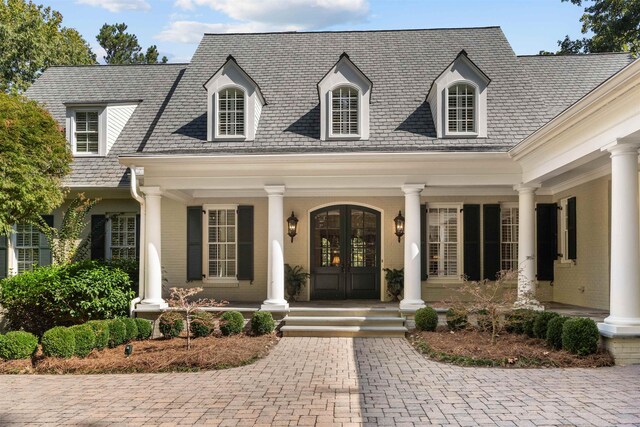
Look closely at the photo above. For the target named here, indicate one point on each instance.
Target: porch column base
(624, 349)
(151, 305)
(617, 330)
(411, 305)
(529, 304)
(275, 306)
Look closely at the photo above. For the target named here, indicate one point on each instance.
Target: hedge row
(172, 323)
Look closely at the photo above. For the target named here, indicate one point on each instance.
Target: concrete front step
(347, 312)
(343, 331)
(343, 321)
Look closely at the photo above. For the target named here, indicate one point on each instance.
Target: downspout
(141, 260)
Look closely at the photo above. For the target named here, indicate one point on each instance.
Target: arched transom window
(231, 112)
(344, 111)
(461, 108)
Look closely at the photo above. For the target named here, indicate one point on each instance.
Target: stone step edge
(312, 328)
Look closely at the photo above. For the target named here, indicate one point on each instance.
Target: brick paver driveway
(328, 381)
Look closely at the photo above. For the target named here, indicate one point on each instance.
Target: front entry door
(345, 253)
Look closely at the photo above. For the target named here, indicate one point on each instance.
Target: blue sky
(176, 26)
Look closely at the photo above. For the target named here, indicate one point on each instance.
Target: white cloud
(304, 14)
(192, 31)
(117, 5)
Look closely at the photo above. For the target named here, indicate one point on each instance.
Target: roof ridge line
(355, 31)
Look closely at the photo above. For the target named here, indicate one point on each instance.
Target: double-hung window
(509, 229)
(86, 134)
(345, 111)
(461, 109)
(220, 237)
(231, 116)
(122, 238)
(443, 225)
(27, 249)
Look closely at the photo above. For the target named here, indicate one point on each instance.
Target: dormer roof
(461, 57)
(344, 59)
(231, 62)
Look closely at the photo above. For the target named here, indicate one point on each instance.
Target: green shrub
(145, 328)
(262, 323)
(17, 345)
(101, 331)
(84, 338)
(131, 328)
(580, 336)
(426, 319)
(554, 331)
(202, 324)
(171, 323)
(516, 320)
(232, 323)
(540, 323)
(58, 342)
(484, 320)
(64, 295)
(457, 319)
(117, 332)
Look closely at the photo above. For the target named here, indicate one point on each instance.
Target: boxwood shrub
(457, 319)
(84, 338)
(202, 324)
(58, 342)
(483, 320)
(540, 323)
(262, 323)
(171, 323)
(117, 332)
(17, 345)
(145, 328)
(516, 320)
(101, 331)
(131, 328)
(554, 331)
(426, 319)
(580, 336)
(232, 323)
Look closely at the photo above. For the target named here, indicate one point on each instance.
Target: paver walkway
(329, 381)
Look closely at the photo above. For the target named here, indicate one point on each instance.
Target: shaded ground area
(331, 381)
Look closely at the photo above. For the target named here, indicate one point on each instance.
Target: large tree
(123, 47)
(32, 38)
(34, 157)
(615, 25)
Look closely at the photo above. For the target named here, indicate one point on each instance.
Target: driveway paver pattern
(331, 381)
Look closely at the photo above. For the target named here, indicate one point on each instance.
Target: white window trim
(348, 136)
(216, 115)
(12, 253)
(109, 224)
(458, 277)
(223, 282)
(476, 101)
(509, 205)
(102, 130)
(564, 231)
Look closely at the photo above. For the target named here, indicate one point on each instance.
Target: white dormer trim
(344, 73)
(231, 75)
(461, 70)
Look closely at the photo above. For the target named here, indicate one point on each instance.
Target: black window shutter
(245, 242)
(194, 242)
(98, 232)
(424, 271)
(491, 244)
(44, 251)
(471, 238)
(3, 257)
(572, 228)
(546, 239)
(138, 236)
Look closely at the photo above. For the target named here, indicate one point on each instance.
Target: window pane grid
(123, 237)
(231, 112)
(509, 224)
(221, 239)
(86, 133)
(27, 247)
(461, 111)
(344, 111)
(443, 241)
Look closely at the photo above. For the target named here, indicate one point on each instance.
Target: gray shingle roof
(149, 83)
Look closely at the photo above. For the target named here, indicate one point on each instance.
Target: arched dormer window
(345, 111)
(461, 109)
(231, 112)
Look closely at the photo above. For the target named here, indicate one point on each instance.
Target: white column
(624, 316)
(153, 282)
(275, 268)
(526, 247)
(412, 286)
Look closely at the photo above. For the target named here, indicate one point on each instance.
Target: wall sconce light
(292, 226)
(399, 224)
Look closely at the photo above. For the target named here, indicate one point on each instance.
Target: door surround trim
(382, 239)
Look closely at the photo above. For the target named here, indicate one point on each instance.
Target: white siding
(117, 118)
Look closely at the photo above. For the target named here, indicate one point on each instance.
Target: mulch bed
(471, 347)
(157, 355)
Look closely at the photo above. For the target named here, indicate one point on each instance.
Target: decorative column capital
(274, 190)
(622, 147)
(526, 188)
(151, 191)
(412, 188)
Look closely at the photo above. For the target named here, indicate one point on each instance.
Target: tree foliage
(615, 25)
(32, 38)
(34, 157)
(123, 47)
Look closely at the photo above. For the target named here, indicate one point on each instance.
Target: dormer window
(345, 111)
(86, 132)
(231, 115)
(461, 109)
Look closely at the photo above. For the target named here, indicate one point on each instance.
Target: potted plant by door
(395, 282)
(295, 278)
